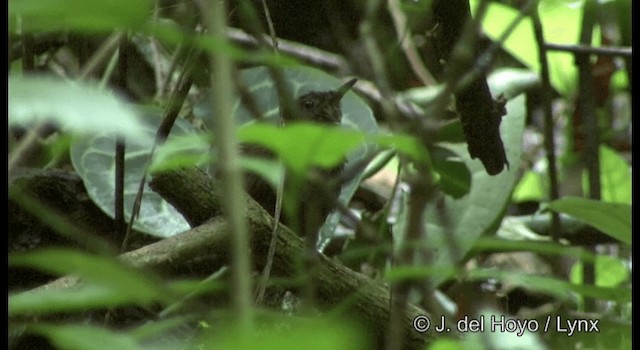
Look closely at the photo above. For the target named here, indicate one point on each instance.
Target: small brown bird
(320, 190)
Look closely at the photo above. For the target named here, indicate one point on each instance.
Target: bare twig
(407, 44)
(272, 31)
(588, 49)
(307, 54)
(101, 55)
(171, 114)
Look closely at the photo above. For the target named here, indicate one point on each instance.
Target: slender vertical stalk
(549, 145)
(591, 154)
(231, 175)
(120, 223)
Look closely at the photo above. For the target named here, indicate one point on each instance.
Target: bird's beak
(344, 88)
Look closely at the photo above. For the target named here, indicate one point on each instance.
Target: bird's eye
(308, 104)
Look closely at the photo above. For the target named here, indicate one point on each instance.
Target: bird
(315, 195)
(319, 191)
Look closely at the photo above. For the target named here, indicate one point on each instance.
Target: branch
(586, 49)
(368, 300)
(308, 54)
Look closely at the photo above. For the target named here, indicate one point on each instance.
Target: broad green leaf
(78, 15)
(321, 333)
(406, 144)
(89, 296)
(614, 219)
(182, 150)
(480, 210)
(46, 301)
(454, 176)
(537, 245)
(75, 106)
(102, 271)
(93, 159)
(80, 337)
(511, 82)
(302, 145)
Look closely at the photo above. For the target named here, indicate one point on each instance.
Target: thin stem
(586, 105)
(248, 15)
(120, 223)
(231, 174)
(587, 49)
(272, 31)
(408, 45)
(549, 143)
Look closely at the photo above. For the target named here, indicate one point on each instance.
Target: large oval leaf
(93, 159)
(75, 106)
(613, 219)
(481, 209)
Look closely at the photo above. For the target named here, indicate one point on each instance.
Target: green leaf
(406, 144)
(75, 106)
(86, 337)
(482, 208)
(614, 219)
(511, 82)
(45, 301)
(182, 150)
(78, 15)
(93, 159)
(98, 270)
(330, 334)
(454, 176)
(302, 145)
(88, 296)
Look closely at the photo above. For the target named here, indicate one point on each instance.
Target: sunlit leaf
(86, 337)
(44, 301)
(78, 15)
(102, 271)
(323, 334)
(75, 106)
(614, 219)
